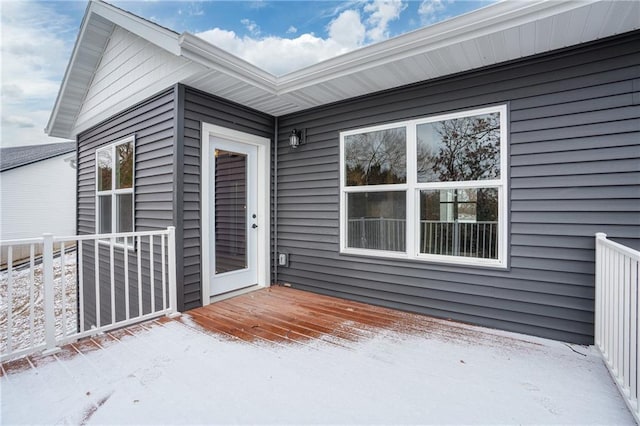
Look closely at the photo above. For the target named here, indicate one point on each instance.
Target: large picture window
(114, 187)
(427, 189)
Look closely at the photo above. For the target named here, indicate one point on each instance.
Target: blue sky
(278, 36)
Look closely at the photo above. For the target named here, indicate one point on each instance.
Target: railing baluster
(48, 292)
(633, 331)
(63, 287)
(10, 299)
(173, 301)
(152, 281)
(112, 279)
(610, 260)
(484, 238)
(626, 293)
(616, 319)
(164, 272)
(126, 278)
(80, 269)
(96, 255)
(139, 253)
(32, 285)
(597, 295)
(619, 313)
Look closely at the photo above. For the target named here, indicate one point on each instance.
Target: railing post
(598, 290)
(173, 296)
(48, 289)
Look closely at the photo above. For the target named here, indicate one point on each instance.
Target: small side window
(115, 207)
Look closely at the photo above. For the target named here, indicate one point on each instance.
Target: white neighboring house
(37, 193)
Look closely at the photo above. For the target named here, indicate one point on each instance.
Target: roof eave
(198, 50)
(49, 129)
(492, 18)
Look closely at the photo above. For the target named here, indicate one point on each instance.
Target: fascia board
(488, 20)
(154, 33)
(200, 51)
(65, 80)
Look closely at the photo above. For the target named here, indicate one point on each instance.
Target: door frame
(264, 205)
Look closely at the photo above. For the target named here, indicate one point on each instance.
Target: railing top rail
(389, 219)
(479, 222)
(21, 241)
(601, 238)
(357, 219)
(85, 237)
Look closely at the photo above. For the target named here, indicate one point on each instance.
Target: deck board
(275, 316)
(282, 314)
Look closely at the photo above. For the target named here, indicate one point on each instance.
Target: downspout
(275, 202)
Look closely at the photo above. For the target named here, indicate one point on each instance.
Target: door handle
(254, 226)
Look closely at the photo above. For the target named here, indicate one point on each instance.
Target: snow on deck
(175, 372)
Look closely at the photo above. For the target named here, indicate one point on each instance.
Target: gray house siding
(574, 164)
(152, 123)
(201, 107)
(167, 188)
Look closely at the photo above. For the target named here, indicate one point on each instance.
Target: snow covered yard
(175, 372)
(28, 285)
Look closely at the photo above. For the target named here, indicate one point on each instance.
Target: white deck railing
(472, 239)
(616, 315)
(377, 233)
(70, 292)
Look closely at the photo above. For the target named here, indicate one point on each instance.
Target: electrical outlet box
(283, 259)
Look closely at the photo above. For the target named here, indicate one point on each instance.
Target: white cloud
(251, 26)
(258, 4)
(430, 9)
(349, 30)
(382, 12)
(18, 121)
(35, 45)
(275, 54)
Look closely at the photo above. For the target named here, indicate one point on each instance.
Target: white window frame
(113, 192)
(413, 188)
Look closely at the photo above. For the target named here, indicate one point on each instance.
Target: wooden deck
(285, 356)
(282, 314)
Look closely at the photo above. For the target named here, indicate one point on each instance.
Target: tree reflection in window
(124, 165)
(376, 158)
(104, 170)
(459, 149)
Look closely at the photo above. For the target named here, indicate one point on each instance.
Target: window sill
(428, 259)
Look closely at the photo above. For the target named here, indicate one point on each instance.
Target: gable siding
(131, 70)
(574, 164)
(200, 107)
(152, 124)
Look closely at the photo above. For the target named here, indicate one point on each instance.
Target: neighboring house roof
(497, 33)
(18, 156)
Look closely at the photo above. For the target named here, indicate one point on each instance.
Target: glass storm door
(234, 220)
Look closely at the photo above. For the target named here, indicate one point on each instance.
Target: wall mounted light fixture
(297, 138)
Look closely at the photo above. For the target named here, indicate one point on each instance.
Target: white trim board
(264, 203)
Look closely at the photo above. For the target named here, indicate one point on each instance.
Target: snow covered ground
(176, 373)
(26, 281)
